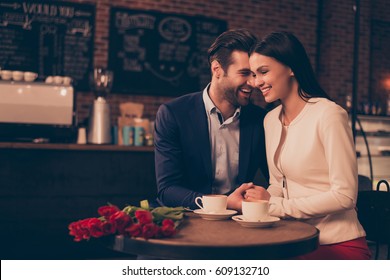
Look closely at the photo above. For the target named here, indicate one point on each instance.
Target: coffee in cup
(212, 203)
(255, 210)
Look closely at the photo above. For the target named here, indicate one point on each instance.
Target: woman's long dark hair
(288, 50)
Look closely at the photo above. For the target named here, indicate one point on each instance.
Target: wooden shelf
(79, 147)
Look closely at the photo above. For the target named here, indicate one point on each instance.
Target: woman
(310, 151)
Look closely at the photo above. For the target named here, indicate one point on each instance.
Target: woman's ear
(291, 73)
(216, 69)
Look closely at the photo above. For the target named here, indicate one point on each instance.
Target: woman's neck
(291, 107)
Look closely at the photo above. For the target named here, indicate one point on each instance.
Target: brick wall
(325, 27)
(337, 46)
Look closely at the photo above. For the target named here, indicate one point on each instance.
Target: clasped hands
(247, 191)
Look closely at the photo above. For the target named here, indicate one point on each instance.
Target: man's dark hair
(229, 41)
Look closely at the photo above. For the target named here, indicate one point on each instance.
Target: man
(212, 141)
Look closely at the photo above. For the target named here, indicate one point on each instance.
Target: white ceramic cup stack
(59, 80)
(18, 76)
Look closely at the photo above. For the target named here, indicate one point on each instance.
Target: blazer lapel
(198, 119)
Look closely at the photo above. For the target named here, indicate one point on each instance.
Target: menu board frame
(162, 54)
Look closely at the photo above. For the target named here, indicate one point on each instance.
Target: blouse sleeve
(274, 188)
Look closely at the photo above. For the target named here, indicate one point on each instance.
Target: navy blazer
(183, 153)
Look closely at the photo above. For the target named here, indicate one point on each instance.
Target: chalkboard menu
(160, 54)
(48, 37)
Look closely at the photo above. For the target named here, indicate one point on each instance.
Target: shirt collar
(210, 106)
(208, 103)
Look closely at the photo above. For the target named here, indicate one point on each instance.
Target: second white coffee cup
(58, 79)
(255, 210)
(30, 76)
(212, 203)
(17, 75)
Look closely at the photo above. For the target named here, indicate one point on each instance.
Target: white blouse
(318, 162)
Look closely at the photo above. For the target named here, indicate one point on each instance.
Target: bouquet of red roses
(131, 221)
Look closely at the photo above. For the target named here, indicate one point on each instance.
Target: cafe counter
(44, 187)
(86, 147)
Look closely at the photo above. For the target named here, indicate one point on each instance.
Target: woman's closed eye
(263, 72)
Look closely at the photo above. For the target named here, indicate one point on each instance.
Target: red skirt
(355, 249)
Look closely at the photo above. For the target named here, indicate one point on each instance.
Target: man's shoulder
(180, 106)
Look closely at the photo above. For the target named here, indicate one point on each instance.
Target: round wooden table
(226, 239)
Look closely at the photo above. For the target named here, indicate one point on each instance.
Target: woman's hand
(256, 193)
(247, 191)
(235, 199)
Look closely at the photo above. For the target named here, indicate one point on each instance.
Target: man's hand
(235, 199)
(247, 191)
(257, 193)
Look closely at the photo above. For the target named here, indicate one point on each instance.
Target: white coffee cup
(6, 75)
(17, 75)
(58, 79)
(212, 203)
(67, 81)
(255, 210)
(30, 76)
(49, 80)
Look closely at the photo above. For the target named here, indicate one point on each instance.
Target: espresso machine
(37, 112)
(99, 127)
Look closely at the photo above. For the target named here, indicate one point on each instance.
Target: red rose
(74, 230)
(120, 220)
(168, 228)
(95, 227)
(135, 230)
(144, 217)
(168, 222)
(115, 221)
(85, 228)
(150, 230)
(107, 211)
(108, 228)
(80, 230)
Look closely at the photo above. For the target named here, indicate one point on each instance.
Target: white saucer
(215, 216)
(268, 222)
